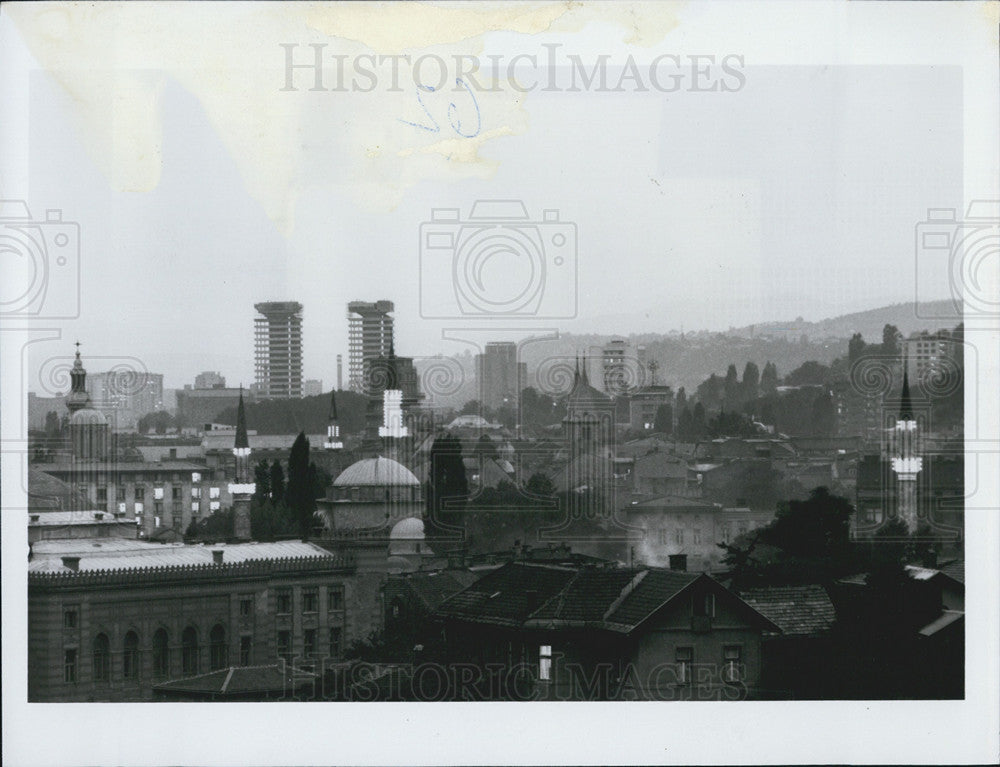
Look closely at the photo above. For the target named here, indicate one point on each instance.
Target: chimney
(73, 563)
(217, 555)
(679, 562)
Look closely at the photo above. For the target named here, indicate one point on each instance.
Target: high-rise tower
(278, 349)
(369, 337)
(242, 487)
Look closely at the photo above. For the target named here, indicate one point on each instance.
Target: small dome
(88, 417)
(376, 472)
(409, 529)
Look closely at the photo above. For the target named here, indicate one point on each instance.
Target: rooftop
(380, 472)
(797, 610)
(240, 680)
(106, 555)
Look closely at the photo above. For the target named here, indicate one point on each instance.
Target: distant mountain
(908, 317)
(686, 359)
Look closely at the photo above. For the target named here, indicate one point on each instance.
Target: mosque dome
(409, 529)
(376, 472)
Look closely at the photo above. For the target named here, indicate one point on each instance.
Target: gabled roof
(433, 588)
(547, 597)
(955, 570)
(798, 610)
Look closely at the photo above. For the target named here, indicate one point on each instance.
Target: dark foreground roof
(550, 597)
(797, 610)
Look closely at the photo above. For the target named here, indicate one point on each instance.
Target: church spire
(78, 397)
(241, 425)
(906, 405)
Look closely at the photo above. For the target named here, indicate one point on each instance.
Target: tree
(808, 373)
(472, 407)
(769, 379)
(540, 484)
(710, 391)
(159, 421)
(681, 399)
(262, 479)
(807, 542)
(447, 485)
(299, 491)
(664, 420)
(890, 340)
(731, 388)
(685, 425)
(277, 481)
(270, 520)
(750, 385)
(855, 348)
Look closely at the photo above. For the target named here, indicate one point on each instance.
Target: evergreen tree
(750, 386)
(447, 485)
(769, 379)
(664, 421)
(681, 400)
(855, 348)
(731, 388)
(262, 479)
(685, 425)
(277, 481)
(698, 425)
(890, 340)
(299, 491)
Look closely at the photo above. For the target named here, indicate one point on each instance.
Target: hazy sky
(793, 196)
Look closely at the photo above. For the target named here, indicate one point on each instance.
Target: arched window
(189, 650)
(102, 658)
(130, 658)
(161, 653)
(217, 639)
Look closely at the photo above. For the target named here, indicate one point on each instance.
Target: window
(120, 493)
(161, 653)
(102, 658)
(69, 665)
(310, 600)
(196, 492)
(703, 604)
(158, 508)
(140, 493)
(335, 598)
(157, 493)
(284, 602)
(336, 641)
(696, 533)
(71, 617)
(195, 507)
(285, 645)
(679, 536)
(189, 650)
(684, 657)
(213, 492)
(130, 656)
(213, 505)
(102, 495)
(246, 607)
(725, 533)
(246, 645)
(731, 656)
(545, 662)
(175, 493)
(195, 477)
(178, 522)
(309, 642)
(664, 539)
(218, 655)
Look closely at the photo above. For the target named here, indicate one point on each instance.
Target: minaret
(242, 487)
(906, 461)
(333, 426)
(392, 403)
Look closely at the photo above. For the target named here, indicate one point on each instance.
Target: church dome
(88, 417)
(376, 472)
(409, 529)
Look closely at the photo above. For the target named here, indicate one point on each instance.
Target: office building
(501, 376)
(278, 349)
(369, 337)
